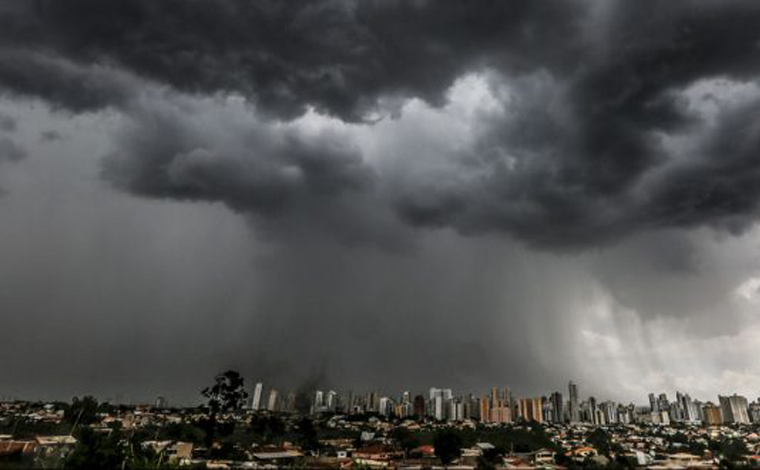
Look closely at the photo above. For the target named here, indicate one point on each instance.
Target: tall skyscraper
(557, 408)
(419, 406)
(440, 398)
(272, 405)
(712, 414)
(258, 391)
(653, 403)
(734, 408)
(574, 410)
(531, 409)
(592, 411)
(496, 407)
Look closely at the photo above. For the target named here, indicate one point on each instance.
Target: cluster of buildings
(500, 405)
(360, 429)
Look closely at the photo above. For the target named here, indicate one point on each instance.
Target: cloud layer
(354, 135)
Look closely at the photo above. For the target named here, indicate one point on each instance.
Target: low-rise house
(174, 451)
(382, 453)
(279, 457)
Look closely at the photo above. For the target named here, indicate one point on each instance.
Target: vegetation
(111, 449)
(448, 445)
(226, 395)
(82, 411)
(405, 439)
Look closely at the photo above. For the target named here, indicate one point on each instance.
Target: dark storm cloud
(577, 157)
(303, 185)
(337, 56)
(61, 82)
(584, 145)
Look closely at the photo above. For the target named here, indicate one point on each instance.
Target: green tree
(405, 439)
(265, 429)
(448, 445)
(307, 435)
(97, 450)
(82, 411)
(600, 440)
(227, 394)
(731, 451)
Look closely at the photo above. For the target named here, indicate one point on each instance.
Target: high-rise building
(653, 403)
(531, 409)
(734, 409)
(418, 407)
(348, 402)
(592, 411)
(754, 412)
(662, 403)
(440, 398)
(574, 410)
(258, 391)
(557, 413)
(385, 406)
(609, 412)
(497, 407)
(456, 410)
(272, 404)
(712, 414)
(373, 402)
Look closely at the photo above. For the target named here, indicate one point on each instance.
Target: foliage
(600, 440)
(97, 450)
(730, 450)
(227, 394)
(111, 449)
(82, 411)
(183, 431)
(405, 439)
(448, 445)
(307, 435)
(266, 429)
(490, 459)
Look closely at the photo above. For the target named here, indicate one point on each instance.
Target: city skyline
(267, 397)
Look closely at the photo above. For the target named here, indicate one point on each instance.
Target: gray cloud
(594, 95)
(380, 151)
(7, 123)
(10, 150)
(50, 135)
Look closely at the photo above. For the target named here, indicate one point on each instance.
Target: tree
(600, 440)
(97, 450)
(448, 445)
(264, 429)
(732, 450)
(490, 459)
(307, 435)
(405, 439)
(82, 412)
(111, 450)
(227, 394)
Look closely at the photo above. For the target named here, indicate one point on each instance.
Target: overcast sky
(379, 194)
